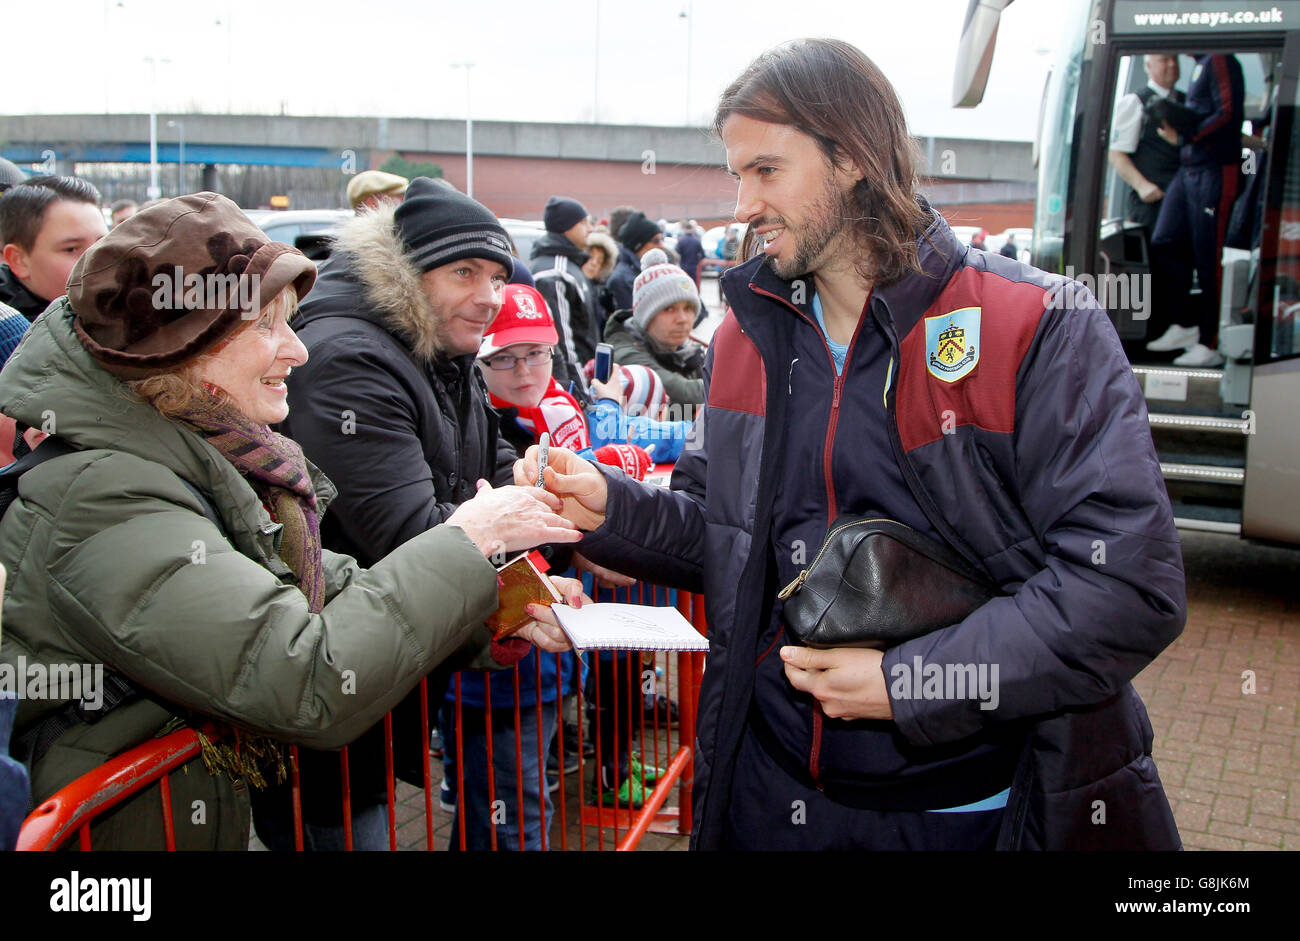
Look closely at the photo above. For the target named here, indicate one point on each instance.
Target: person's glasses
(504, 361)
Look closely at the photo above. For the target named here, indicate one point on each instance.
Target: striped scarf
(557, 413)
(277, 471)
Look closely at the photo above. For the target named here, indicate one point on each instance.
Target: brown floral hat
(175, 280)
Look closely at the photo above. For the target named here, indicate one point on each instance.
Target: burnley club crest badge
(952, 343)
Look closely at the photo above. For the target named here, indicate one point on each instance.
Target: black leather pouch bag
(876, 583)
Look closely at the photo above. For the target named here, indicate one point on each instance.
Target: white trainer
(1200, 355)
(1175, 338)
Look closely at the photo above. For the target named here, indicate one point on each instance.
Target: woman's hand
(848, 681)
(581, 487)
(507, 519)
(544, 632)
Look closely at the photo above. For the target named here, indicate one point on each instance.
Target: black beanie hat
(637, 231)
(562, 214)
(439, 225)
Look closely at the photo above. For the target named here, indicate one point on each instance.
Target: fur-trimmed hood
(610, 247)
(369, 275)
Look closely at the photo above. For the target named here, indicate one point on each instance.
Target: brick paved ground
(1229, 759)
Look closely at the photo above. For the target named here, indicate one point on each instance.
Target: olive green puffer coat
(112, 561)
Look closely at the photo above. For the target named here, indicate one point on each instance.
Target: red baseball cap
(523, 318)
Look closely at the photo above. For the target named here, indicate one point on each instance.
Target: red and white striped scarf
(558, 414)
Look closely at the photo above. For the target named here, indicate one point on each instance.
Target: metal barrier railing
(74, 808)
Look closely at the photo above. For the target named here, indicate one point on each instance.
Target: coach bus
(1228, 437)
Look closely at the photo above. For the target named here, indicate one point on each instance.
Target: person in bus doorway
(826, 396)
(1194, 214)
(1144, 160)
(1147, 163)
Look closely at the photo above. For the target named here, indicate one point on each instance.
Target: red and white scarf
(558, 414)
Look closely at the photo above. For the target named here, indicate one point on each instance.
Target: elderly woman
(178, 545)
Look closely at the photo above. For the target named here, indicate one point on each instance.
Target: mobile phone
(604, 361)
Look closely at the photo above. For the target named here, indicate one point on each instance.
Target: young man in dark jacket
(691, 249)
(636, 237)
(46, 224)
(872, 365)
(557, 260)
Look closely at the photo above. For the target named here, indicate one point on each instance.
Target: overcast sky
(543, 60)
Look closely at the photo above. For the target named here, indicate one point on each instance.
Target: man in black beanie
(637, 236)
(388, 404)
(392, 408)
(557, 260)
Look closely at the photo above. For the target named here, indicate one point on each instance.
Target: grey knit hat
(656, 256)
(658, 287)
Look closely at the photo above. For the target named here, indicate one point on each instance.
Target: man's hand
(507, 519)
(847, 681)
(544, 631)
(1168, 134)
(1148, 192)
(577, 482)
(605, 578)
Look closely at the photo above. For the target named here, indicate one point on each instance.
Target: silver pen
(544, 445)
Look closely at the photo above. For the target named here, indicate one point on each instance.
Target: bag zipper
(795, 585)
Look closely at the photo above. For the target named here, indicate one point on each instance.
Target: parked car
(524, 233)
(287, 225)
(713, 237)
(1024, 242)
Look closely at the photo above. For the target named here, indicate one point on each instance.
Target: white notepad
(609, 625)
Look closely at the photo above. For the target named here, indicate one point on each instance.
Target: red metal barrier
(74, 807)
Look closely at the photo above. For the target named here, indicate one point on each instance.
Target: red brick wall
(518, 187)
(996, 217)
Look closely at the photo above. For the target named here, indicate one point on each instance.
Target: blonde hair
(177, 393)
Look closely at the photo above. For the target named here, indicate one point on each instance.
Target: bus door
(1202, 415)
(1270, 510)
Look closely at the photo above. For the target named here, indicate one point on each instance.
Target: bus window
(1055, 174)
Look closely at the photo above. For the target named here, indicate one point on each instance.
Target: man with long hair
(872, 365)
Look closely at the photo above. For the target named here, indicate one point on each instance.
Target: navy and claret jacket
(985, 403)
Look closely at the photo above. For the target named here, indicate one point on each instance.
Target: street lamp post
(154, 189)
(180, 157)
(688, 14)
(595, 74)
(469, 131)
